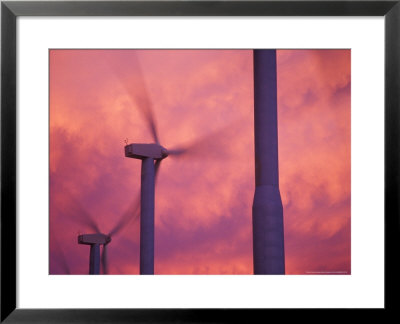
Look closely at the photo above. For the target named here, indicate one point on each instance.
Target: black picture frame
(10, 10)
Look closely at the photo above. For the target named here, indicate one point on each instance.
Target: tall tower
(148, 153)
(268, 235)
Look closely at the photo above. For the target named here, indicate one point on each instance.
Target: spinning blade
(135, 87)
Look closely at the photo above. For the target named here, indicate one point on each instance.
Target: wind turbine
(268, 234)
(98, 238)
(151, 155)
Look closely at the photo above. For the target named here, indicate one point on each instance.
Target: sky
(201, 99)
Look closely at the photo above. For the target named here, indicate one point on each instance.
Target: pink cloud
(203, 202)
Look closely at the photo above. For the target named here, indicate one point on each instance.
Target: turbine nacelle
(90, 239)
(142, 151)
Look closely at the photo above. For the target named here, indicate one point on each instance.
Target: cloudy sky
(202, 98)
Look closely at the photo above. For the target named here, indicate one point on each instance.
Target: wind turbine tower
(148, 153)
(268, 235)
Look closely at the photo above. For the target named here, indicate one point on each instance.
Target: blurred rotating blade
(126, 67)
(213, 145)
(157, 168)
(179, 151)
(130, 215)
(80, 214)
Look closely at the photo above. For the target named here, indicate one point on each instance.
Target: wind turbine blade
(131, 214)
(213, 145)
(178, 151)
(104, 261)
(130, 75)
(80, 214)
(157, 168)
